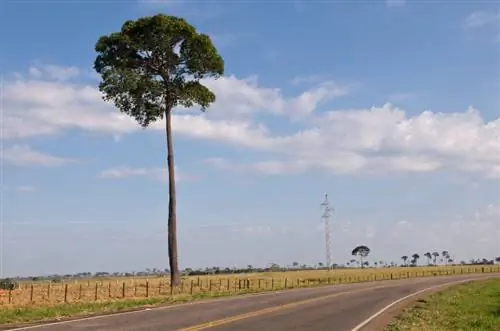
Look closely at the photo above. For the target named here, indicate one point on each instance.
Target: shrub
(8, 284)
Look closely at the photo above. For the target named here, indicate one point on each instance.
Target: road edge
(383, 317)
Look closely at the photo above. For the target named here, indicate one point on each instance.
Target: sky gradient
(392, 107)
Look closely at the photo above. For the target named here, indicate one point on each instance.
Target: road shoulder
(389, 316)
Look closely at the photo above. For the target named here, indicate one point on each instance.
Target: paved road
(332, 308)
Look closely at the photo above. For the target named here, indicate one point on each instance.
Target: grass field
(99, 290)
(39, 301)
(468, 307)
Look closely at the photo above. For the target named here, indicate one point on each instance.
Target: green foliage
(8, 284)
(155, 64)
(361, 251)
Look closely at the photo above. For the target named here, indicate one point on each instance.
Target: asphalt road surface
(328, 308)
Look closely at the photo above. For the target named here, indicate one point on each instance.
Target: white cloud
(159, 174)
(54, 72)
(395, 3)
(23, 155)
(26, 189)
(481, 18)
(312, 79)
(375, 140)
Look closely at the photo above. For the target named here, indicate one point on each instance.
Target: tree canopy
(155, 64)
(362, 251)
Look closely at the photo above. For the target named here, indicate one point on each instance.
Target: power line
(327, 212)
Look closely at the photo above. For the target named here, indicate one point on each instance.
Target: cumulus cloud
(377, 140)
(24, 155)
(159, 174)
(481, 18)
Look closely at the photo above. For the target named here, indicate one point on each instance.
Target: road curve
(329, 308)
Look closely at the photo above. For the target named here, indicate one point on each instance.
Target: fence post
(123, 290)
(66, 293)
(96, 292)
(10, 296)
(48, 291)
(109, 290)
(31, 293)
(191, 287)
(80, 292)
(147, 289)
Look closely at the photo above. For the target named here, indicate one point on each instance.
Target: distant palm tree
(428, 255)
(415, 258)
(435, 255)
(404, 258)
(445, 256)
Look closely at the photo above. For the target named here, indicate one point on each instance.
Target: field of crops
(110, 289)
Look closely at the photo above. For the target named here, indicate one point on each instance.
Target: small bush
(8, 284)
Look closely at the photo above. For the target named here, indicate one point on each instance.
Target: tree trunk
(361, 259)
(172, 219)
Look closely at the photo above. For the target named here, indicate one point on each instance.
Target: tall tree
(404, 258)
(415, 258)
(361, 251)
(435, 255)
(446, 256)
(149, 67)
(428, 255)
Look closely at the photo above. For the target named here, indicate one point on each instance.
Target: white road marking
(361, 325)
(240, 297)
(172, 306)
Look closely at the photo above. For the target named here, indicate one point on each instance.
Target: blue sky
(389, 106)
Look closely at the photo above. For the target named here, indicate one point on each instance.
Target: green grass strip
(472, 306)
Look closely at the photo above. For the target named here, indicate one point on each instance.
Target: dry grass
(113, 289)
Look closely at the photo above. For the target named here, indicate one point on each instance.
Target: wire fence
(93, 290)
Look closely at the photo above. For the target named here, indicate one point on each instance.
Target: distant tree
(274, 267)
(148, 68)
(445, 256)
(404, 258)
(428, 255)
(497, 259)
(435, 255)
(361, 251)
(415, 258)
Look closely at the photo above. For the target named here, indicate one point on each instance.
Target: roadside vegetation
(472, 306)
(48, 301)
